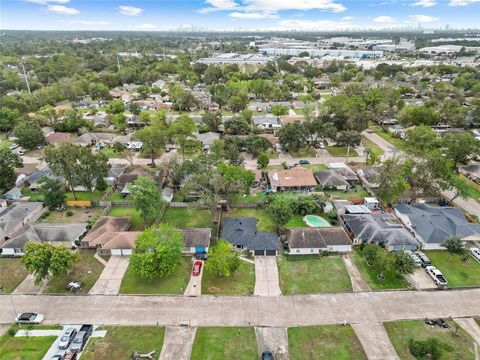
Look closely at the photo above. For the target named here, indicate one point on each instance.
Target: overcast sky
(159, 15)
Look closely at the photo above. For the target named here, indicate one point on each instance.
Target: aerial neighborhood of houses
(263, 166)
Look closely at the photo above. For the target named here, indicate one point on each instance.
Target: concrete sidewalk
(471, 327)
(375, 341)
(178, 343)
(111, 277)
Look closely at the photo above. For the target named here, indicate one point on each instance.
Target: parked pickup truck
(475, 253)
(81, 339)
(436, 275)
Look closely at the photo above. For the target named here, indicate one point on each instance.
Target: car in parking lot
(414, 257)
(423, 258)
(475, 253)
(436, 276)
(304, 162)
(29, 318)
(197, 267)
(67, 337)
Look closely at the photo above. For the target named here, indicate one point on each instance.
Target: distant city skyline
(225, 15)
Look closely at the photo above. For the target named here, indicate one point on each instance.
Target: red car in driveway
(197, 266)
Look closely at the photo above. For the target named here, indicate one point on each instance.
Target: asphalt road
(275, 311)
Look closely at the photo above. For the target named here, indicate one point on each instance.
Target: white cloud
(383, 19)
(252, 15)
(346, 18)
(423, 18)
(60, 9)
(328, 25)
(146, 26)
(462, 2)
(129, 10)
(425, 3)
(45, 2)
(219, 5)
(272, 6)
(88, 22)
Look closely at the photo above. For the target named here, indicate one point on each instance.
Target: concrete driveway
(266, 276)
(420, 280)
(375, 341)
(27, 286)
(194, 287)
(358, 284)
(273, 339)
(111, 277)
(178, 343)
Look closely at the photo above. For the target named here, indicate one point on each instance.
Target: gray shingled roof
(330, 178)
(16, 213)
(199, 237)
(317, 237)
(242, 232)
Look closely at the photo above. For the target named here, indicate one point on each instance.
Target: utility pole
(26, 77)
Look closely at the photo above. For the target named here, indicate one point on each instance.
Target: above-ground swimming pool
(315, 221)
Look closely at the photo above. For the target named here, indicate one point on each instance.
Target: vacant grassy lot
(367, 143)
(400, 333)
(340, 151)
(86, 270)
(183, 218)
(473, 188)
(172, 284)
(264, 222)
(80, 215)
(24, 348)
(369, 274)
(12, 273)
(219, 343)
(136, 222)
(329, 342)
(307, 274)
(242, 282)
(121, 341)
(457, 272)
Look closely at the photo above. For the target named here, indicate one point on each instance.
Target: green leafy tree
(384, 263)
(29, 134)
(116, 107)
(238, 103)
(158, 251)
(212, 120)
(293, 136)
(421, 139)
(430, 348)
(154, 137)
(349, 139)
(90, 168)
(120, 122)
(43, 260)
(392, 182)
(8, 118)
(370, 253)
(279, 110)
(419, 115)
(454, 245)
(62, 160)
(280, 210)
(460, 147)
(182, 132)
(8, 163)
(237, 126)
(319, 128)
(256, 145)
(222, 259)
(404, 263)
(263, 160)
(53, 194)
(147, 198)
(232, 173)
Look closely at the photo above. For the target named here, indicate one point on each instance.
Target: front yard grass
(315, 167)
(175, 283)
(369, 274)
(264, 222)
(184, 218)
(12, 273)
(400, 333)
(121, 341)
(332, 342)
(367, 143)
(24, 348)
(136, 223)
(304, 153)
(457, 272)
(395, 141)
(218, 343)
(242, 282)
(309, 274)
(341, 151)
(86, 270)
(473, 189)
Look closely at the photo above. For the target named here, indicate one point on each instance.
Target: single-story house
(432, 225)
(305, 240)
(207, 139)
(369, 176)
(331, 179)
(196, 241)
(242, 234)
(266, 122)
(382, 229)
(90, 139)
(106, 224)
(397, 130)
(347, 173)
(13, 194)
(131, 174)
(295, 179)
(286, 119)
(15, 216)
(472, 171)
(58, 138)
(55, 234)
(120, 243)
(114, 172)
(34, 178)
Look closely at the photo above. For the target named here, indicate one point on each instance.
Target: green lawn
(32, 196)
(136, 222)
(341, 151)
(219, 343)
(306, 274)
(12, 273)
(86, 270)
(24, 348)
(264, 222)
(85, 195)
(242, 282)
(359, 192)
(258, 197)
(367, 143)
(121, 341)
(473, 188)
(79, 215)
(303, 153)
(184, 218)
(391, 281)
(116, 196)
(4, 143)
(457, 272)
(296, 221)
(400, 333)
(172, 284)
(329, 342)
(315, 167)
(397, 142)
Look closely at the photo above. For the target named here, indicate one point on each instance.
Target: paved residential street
(178, 343)
(111, 277)
(266, 276)
(273, 339)
(277, 311)
(375, 341)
